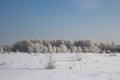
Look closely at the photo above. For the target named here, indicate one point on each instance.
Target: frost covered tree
(63, 48)
(42, 48)
(54, 49)
(45, 49)
(74, 49)
(46, 45)
(85, 49)
(50, 50)
(70, 45)
(58, 49)
(7, 48)
(22, 46)
(1, 49)
(79, 49)
(30, 49)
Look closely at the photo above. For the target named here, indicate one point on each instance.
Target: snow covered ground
(90, 66)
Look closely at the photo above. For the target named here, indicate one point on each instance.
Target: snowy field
(68, 66)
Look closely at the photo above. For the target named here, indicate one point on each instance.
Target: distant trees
(61, 46)
(22, 46)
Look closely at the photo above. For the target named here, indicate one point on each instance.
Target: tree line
(61, 46)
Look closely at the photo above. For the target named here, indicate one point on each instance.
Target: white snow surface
(92, 66)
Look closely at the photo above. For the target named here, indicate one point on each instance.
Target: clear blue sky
(59, 19)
